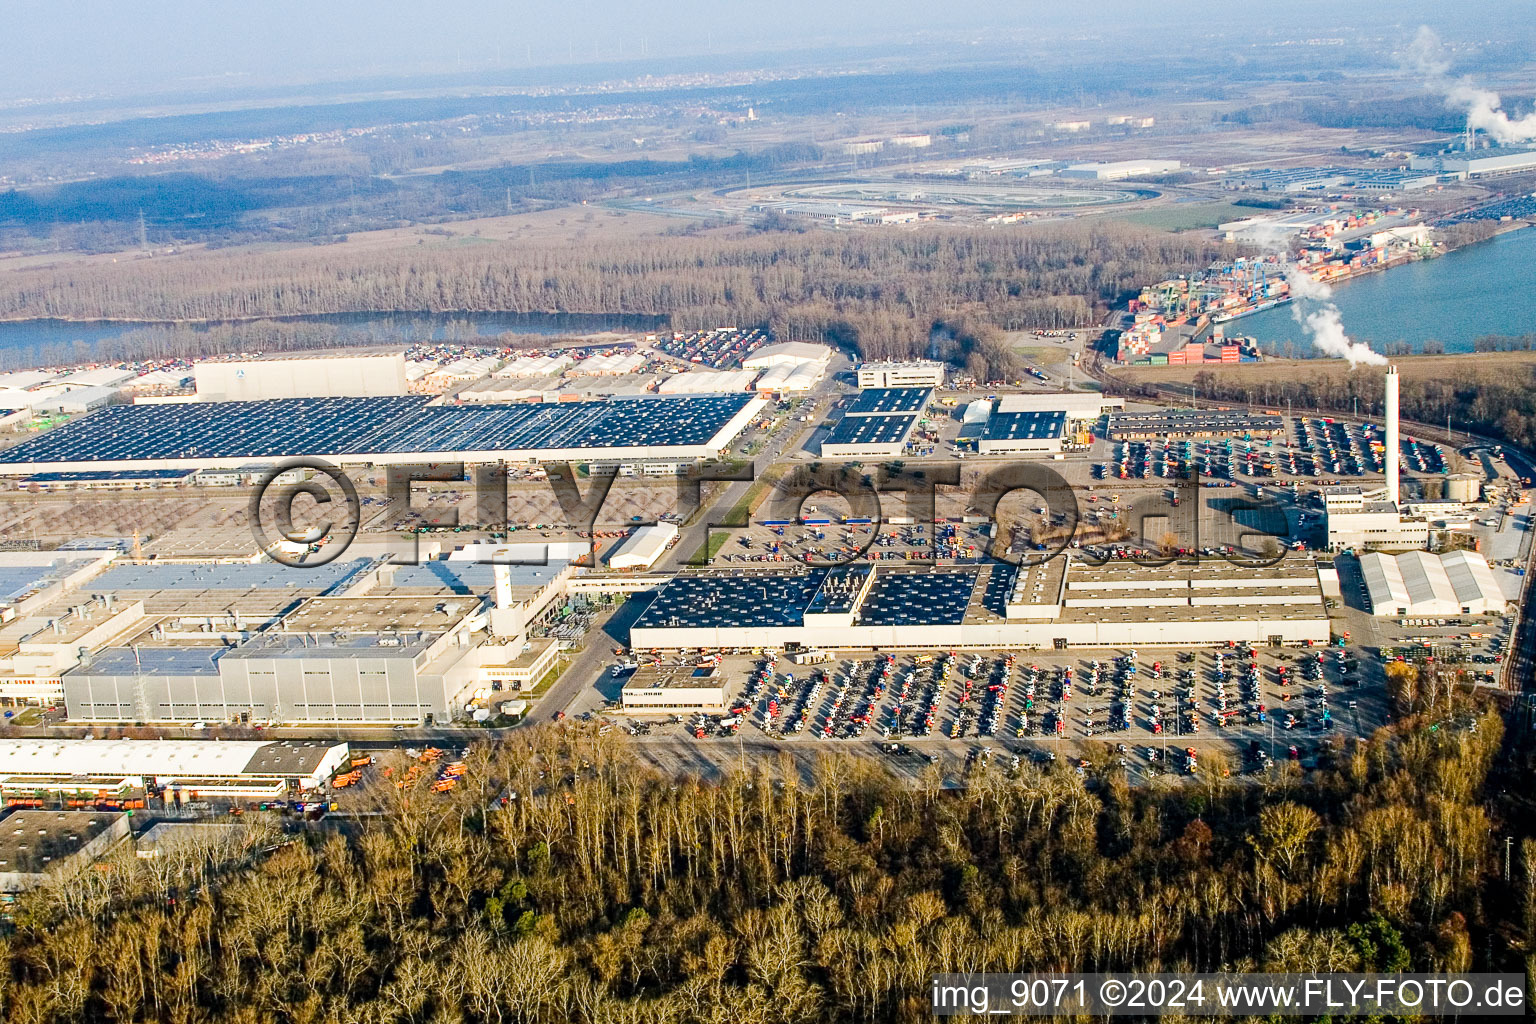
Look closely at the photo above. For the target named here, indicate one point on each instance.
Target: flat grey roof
(153, 661)
(467, 577)
(223, 576)
(32, 839)
(17, 580)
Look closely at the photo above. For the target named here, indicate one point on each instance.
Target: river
(1486, 288)
(408, 328)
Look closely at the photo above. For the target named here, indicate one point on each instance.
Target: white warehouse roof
(536, 366)
(162, 759)
(615, 364)
(708, 382)
(643, 547)
(1076, 404)
(102, 376)
(24, 378)
(1420, 583)
(787, 352)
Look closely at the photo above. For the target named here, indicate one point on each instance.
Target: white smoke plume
(1484, 110)
(1325, 324)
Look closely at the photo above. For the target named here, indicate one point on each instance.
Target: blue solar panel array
(394, 425)
(921, 598)
(889, 400)
(95, 475)
(730, 600)
(1014, 426)
(723, 600)
(870, 430)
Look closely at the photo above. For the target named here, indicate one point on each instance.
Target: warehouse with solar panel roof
(1058, 603)
(394, 430)
(877, 424)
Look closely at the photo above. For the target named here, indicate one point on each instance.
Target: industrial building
(1292, 179)
(512, 668)
(264, 643)
(38, 846)
(790, 379)
(644, 547)
(1019, 433)
(1361, 520)
(790, 367)
(708, 382)
(1357, 519)
(546, 365)
(310, 375)
(877, 425)
(1420, 583)
(793, 353)
(31, 579)
(121, 770)
(505, 389)
(673, 690)
(920, 374)
(1077, 406)
(106, 480)
(1057, 604)
(1118, 170)
(998, 167)
(1193, 424)
(1032, 423)
(334, 659)
(1468, 165)
(388, 431)
(1395, 181)
(613, 364)
(36, 650)
(77, 393)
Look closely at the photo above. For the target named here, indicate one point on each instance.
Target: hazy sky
(50, 48)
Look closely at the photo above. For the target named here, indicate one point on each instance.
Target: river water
(1487, 288)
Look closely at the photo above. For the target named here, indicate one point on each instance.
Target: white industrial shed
(1421, 583)
(790, 353)
(977, 412)
(197, 767)
(302, 375)
(783, 378)
(1078, 405)
(536, 366)
(708, 382)
(643, 547)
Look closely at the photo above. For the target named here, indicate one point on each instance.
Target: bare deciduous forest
(603, 891)
(1494, 395)
(880, 293)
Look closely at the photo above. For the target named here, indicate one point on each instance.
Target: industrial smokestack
(1393, 447)
(503, 585)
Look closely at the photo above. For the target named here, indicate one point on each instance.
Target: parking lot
(1312, 447)
(1149, 707)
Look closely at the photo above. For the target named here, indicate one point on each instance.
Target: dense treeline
(189, 341)
(881, 293)
(1427, 112)
(1499, 402)
(603, 891)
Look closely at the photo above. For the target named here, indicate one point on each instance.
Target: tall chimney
(1393, 445)
(503, 585)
